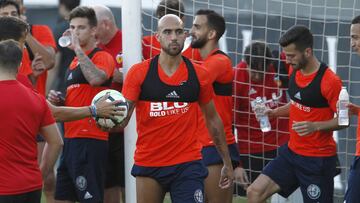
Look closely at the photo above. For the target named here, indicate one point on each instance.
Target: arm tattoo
(92, 74)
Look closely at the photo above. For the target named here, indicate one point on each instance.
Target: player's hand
(304, 127)
(353, 109)
(241, 177)
(271, 113)
(227, 177)
(106, 109)
(55, 98)
(37, 65)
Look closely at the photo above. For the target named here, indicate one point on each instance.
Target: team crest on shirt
(81, 183)
(313, 191)
(198, 196)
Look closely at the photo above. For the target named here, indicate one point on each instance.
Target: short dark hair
(69, 4)
(214, 20)
(258, 55)
(356, 20)
(4, 3)
(84, 12)
(10, 55)
(299, 35)
(175, 7)
(12, 28)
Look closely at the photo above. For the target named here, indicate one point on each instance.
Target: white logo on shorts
(198, 196)
(313, 191)
(81, 183)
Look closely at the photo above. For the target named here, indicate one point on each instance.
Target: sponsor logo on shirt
(173, 94)
(297, 96)
(160, 109)
(70, 77)
(300, 106)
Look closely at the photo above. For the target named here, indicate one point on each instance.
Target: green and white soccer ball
(113, 95)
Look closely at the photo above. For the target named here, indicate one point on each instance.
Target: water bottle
(64, 41)
(343, 119)
(259, 109)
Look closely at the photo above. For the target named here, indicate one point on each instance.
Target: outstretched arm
(103, 109)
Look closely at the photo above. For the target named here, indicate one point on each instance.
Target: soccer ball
(113, 95)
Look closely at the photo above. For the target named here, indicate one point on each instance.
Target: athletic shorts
(185, 181)
(39, 138)
(253, 164)
(211, 156)
(81, 173)
(115, 170)
(352, 194)
(314, 175)
(28, 197)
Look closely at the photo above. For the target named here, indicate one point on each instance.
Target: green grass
(167, 199)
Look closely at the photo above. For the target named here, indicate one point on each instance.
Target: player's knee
(254, 194)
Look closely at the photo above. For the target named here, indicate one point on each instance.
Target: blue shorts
(211, 156)
(185, 181)
(353, 189)
(314, 175)
(81, 173)
(39, 138)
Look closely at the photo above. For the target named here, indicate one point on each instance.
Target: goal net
(266, 20)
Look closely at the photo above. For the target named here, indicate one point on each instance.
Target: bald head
(103, 13)
(169, 20)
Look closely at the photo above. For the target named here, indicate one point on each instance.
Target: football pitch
(167, 199)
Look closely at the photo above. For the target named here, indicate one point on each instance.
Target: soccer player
(151, 46)
(109, 39)
(23, 113)
(166, 91)
(255, 77)
(352, 193)
(40, 47)
(308, 160)
(81, 177)
(207, 29)
(16, 29)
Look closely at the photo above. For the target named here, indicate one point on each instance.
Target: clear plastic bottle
(259, 109)
(343, 114)
(64, 41)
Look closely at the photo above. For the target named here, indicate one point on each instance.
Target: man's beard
(198, 43)
(173, 52)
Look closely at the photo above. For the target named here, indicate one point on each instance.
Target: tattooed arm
(92, 74)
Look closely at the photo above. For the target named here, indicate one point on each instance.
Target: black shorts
(115, 170)
(314, 175)
(211, 156)
(254, 164)
(29, 197)
(39, 138)
(81, 173)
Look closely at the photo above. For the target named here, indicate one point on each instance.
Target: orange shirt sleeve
(105, 62)
(206, 89)
(44, 35)
(133, 81)
(331, 87)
